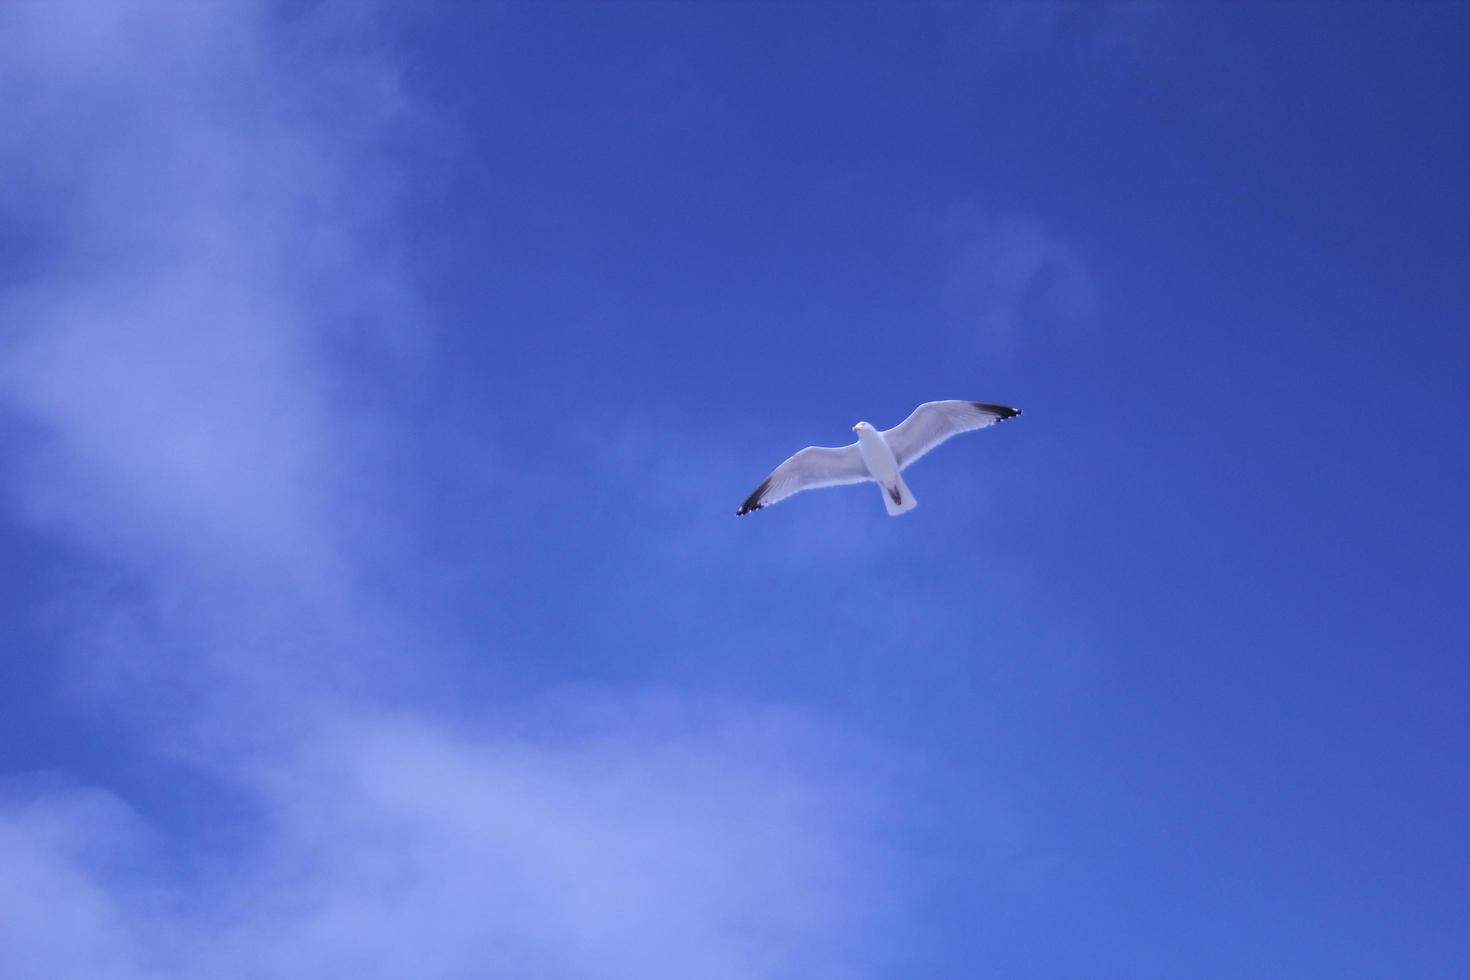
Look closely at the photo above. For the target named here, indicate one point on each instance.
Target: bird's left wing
(814, 466)
(933, 422)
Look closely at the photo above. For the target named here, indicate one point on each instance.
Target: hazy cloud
(1008, 274)
(648, 845)
(200, 194)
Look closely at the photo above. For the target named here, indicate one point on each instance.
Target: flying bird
(877, 456)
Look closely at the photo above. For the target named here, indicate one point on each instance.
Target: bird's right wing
(814, 466)
(933, 422)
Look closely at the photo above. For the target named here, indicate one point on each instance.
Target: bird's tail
(897, 498)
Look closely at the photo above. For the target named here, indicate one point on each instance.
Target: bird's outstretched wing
(933, 422)
(814, 466)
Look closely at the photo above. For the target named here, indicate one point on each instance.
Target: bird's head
(862, 427)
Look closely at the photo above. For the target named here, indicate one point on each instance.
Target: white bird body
(877, 456)
(883, 467)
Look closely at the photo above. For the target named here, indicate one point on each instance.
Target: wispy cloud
(642, 846)
(203, 194)
(207, 223)
(169, 348)
(1008, 274)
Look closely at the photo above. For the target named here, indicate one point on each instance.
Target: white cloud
(716, 851)
(195, 177)
(192, 269)
(56, 917)
(651, 847)
(206, 216)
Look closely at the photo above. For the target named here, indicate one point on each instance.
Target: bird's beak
(854, 428)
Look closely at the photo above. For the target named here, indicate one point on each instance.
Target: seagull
(877, 456)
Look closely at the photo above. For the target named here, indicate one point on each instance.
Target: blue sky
(377, 388)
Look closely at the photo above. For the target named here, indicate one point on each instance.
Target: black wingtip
(753, 502)
(1001, 412)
